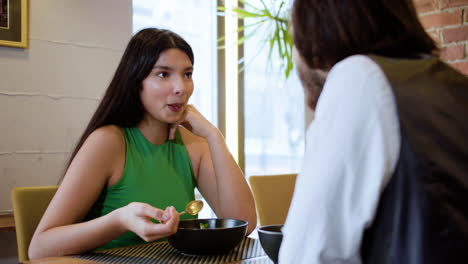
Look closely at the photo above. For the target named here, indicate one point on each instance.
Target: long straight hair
(121, 104)
(327, 31)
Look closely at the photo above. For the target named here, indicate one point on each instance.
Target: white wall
(49, 91)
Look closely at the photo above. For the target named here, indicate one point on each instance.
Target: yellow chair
(272, 194)
(29, 204)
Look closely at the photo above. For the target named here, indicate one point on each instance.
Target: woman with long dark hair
(140, 158)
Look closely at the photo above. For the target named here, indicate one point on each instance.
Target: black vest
(422, 215)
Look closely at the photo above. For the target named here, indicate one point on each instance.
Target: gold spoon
(192, 208)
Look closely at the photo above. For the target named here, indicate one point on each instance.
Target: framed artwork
(14, 23)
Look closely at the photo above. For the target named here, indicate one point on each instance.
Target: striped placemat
(163, 252)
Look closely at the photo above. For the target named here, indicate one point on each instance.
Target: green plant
(273, 19)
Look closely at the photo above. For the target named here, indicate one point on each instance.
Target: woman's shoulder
(190, 138)
(356, 66)
(109, 137)
(111, 132)
(355, 77)
(103, 152)
(355, 87)
(196, 146)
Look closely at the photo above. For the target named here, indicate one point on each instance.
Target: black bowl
(208, 236)
(270, 239)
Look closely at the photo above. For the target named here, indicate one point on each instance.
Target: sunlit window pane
(274, 110)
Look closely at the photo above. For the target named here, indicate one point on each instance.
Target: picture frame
(14, 23)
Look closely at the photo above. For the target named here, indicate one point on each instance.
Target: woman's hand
(136, 217)
(193, 121)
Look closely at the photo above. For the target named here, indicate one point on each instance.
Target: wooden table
(7, 222)
(248, 252)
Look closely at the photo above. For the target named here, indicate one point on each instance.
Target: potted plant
(272, 18)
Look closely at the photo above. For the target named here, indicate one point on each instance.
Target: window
(273, 110)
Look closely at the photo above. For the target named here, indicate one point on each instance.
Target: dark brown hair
(327, 31)
(121, 104)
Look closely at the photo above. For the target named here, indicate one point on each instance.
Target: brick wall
(447, 22)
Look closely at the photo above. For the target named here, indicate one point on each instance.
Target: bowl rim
(244, 223)
(277, 233)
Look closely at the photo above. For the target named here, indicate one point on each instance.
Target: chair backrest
(29, 204)
(272, 194)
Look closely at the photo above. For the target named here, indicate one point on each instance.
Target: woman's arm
(220, 180)
(60, 232)
(232, 197)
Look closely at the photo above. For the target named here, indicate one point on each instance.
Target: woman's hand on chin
(195, 122)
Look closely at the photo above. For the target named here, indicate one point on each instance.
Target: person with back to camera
(137, 156)
(385, 176)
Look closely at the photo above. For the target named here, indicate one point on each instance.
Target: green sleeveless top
(159, 175)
